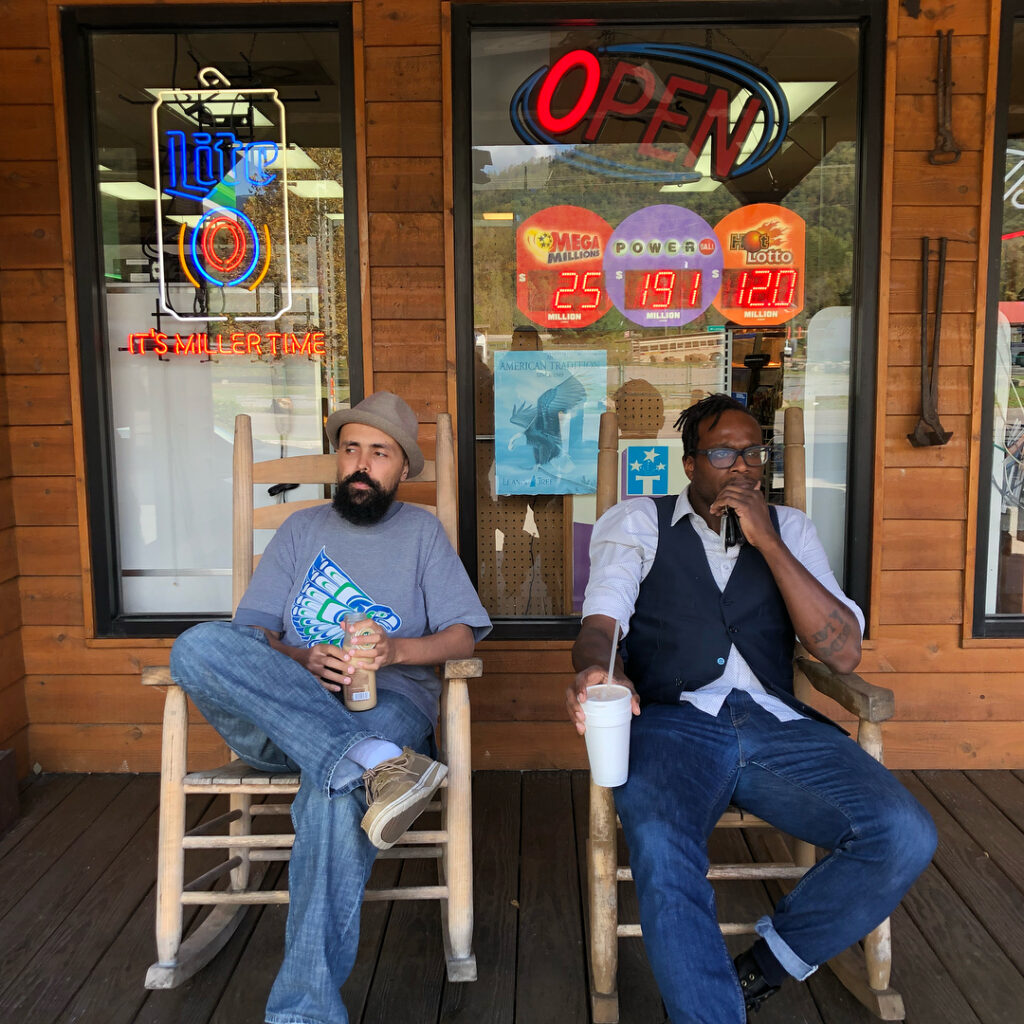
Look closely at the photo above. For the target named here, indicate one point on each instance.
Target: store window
(999, 595)
(212, 177)
(655, 206)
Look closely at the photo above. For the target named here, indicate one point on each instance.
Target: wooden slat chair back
(866, 976)
(246, 853)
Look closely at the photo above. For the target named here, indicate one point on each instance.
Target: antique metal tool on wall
(946, 150)
(929, 430)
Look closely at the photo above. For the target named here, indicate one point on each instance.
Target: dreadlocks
(690, 419)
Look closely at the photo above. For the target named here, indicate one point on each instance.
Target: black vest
(683, 626)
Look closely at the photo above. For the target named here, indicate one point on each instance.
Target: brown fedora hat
(383, 411)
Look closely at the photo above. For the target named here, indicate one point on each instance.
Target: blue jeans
(806, 778)
(277, 717)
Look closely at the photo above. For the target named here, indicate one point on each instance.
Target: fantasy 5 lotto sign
(663, 266)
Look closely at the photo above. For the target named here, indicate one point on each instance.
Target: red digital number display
(564, 290)
(761, 288)
(662, 289)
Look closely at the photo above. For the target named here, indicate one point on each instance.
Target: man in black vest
(708, 642)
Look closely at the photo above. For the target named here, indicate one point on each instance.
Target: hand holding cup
(608, 712)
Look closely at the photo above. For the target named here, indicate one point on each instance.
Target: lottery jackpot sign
(663, 267)
(222, 202)
(763, 277)
(559, 267)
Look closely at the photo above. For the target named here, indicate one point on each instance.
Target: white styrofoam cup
(608, 710)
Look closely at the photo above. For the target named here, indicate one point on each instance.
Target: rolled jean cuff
(782, 951)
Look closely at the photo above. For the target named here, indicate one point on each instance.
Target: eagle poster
(546, 411)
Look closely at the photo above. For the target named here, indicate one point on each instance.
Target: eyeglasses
(723, 458)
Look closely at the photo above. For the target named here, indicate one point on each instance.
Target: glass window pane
(1004, 579)
(659, 212)
(221, 208)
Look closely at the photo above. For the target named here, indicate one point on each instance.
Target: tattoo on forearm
(833, 636)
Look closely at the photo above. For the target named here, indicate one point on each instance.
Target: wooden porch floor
(76, 918)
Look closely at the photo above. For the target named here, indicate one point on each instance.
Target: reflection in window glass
(233, 300)
(659, 212)
(1004, 582)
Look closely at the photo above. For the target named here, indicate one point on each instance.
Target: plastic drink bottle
(361, 693)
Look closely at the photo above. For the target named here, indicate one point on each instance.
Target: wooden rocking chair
(246, 853)
(866, 976)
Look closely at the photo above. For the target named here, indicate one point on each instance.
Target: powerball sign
(663, 266)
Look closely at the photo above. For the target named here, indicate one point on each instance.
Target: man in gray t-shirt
(402, 573)
(271, 683)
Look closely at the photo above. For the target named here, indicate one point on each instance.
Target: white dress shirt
(622, 550)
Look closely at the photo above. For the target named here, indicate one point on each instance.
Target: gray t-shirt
(402, 572)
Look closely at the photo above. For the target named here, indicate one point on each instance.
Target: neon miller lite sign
(575, 99)
(212, 177)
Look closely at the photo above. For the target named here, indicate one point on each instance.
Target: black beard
(369, 507)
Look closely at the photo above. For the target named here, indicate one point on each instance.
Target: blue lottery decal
(646, 470)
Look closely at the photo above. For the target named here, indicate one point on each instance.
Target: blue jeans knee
(205, 646)
(909, 836)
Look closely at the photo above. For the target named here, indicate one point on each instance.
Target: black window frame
(998, 625)
(870, 15)
(77, 25)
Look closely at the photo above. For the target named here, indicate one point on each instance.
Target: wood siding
(74, 703)
(30, 262)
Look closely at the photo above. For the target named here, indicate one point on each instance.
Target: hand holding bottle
(361, 692)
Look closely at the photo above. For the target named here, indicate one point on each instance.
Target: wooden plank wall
(959, 703)
(13, 713)
(33, 345)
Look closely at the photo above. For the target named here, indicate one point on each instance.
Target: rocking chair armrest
(868, 702)
(463, 668)
(157, 675)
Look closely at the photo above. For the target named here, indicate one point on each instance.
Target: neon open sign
(217, 196)
(572, 103)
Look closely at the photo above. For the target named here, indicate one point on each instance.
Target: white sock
(372, 752)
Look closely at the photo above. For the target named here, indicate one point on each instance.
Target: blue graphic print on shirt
(326, 594)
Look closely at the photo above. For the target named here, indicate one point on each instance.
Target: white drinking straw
(615, 644)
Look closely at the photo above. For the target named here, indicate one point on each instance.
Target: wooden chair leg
(869, 738)
(878, 956)
(241, 826)
(178, 960)
(602, 862)
(170, 870)
(866, 976)
(457, 811)
(199, 948)
(804, 854)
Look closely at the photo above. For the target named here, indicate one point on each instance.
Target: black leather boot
(755, 988)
